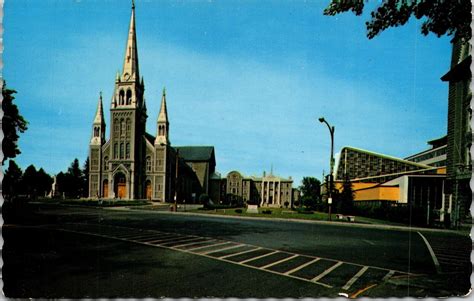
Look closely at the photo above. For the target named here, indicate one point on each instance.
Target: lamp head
(321, 119)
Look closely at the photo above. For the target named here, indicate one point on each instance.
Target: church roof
(150, 138)
(196, 153)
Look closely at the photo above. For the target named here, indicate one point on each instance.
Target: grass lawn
(288, 213)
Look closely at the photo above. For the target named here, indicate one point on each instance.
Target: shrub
(267, 212)
(286, 204)
(238, 210)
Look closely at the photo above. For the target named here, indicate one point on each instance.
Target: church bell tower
(128, 119)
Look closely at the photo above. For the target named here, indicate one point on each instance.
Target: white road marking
(169, 239)
(189, 239)
(317, 278)
(194, 243)
(433, 255)
(258, 257)
(155, 238)
(279, 261)
(369, 242)
(389, 274)
(223, 258)
(354, 279)
(184, 239)
(300, 267)
(239, 253)
(216, 250)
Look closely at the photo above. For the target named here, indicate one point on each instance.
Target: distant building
(378, 178)
(435, 156)
(266, 191)
(366, 166)
(459, 138)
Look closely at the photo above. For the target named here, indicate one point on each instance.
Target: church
(133, 164)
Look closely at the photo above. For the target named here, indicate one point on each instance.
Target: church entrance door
(105, 189)
(148, 190)
(120, 188)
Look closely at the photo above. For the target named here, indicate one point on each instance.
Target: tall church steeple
(98, 126)
(162, 136)
(130, 63)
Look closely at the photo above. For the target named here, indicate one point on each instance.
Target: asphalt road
(111, 253)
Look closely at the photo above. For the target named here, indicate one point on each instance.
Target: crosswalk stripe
(220, 245)
(315, 279)
(300, 267)
(165, 240)
(239, 253)
(279, 261)
(217, 250)
(181, 239)
(354, 279)
(258, 257)
(389, 274)
(195, 242)
(211, 251)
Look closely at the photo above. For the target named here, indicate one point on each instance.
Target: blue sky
(250, 78)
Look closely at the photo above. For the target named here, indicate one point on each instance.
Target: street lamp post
(331, 164)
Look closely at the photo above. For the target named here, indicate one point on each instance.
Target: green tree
(29, 181)
(345, 199)
(12, 123)
(71, 182)
(43, 182)
(441, 17)
(311, 189)
(74, 179)
(85, 178)
(12, 180)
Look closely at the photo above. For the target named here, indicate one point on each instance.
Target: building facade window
(106, 163)
(121, 97)
(129, 97)
(127, 150)
(115, 150)
(121, 150)
(148, 163)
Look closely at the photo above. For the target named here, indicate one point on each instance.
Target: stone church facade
(133, 164)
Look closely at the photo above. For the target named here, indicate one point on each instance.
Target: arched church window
(121, 150)
(160, 129)
(115, 150)
(121, 97)
(148, 163)
(96, 132)
(129, 96)
(106, 163)
(127, 150)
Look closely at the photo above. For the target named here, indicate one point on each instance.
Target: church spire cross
(130, 64)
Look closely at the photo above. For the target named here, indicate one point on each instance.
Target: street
(81, 252)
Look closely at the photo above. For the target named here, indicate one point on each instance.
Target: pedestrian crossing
(325, 272)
